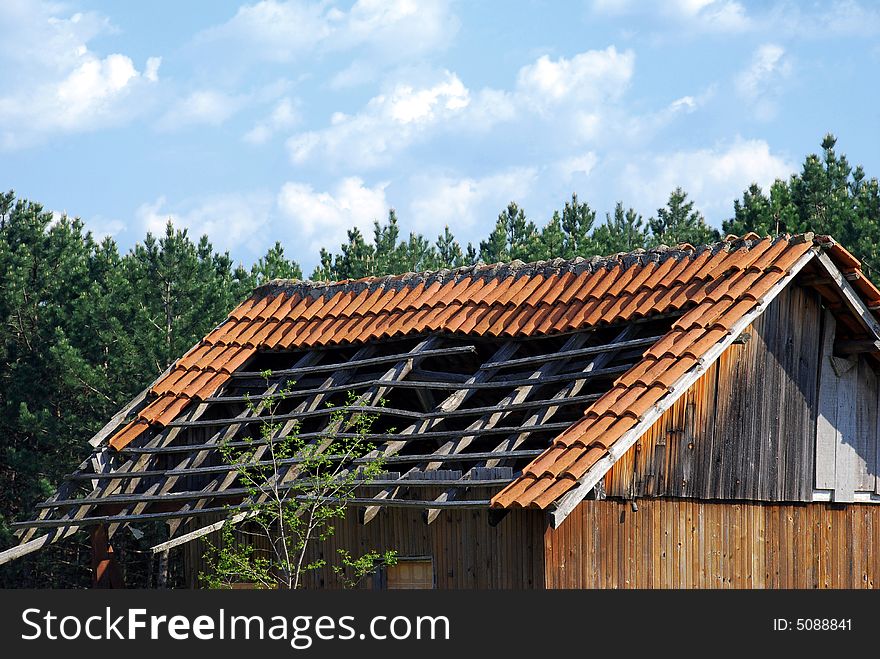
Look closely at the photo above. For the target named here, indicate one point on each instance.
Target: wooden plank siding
(467, 552)
(847, 425)
(746, 429)
(687, 543)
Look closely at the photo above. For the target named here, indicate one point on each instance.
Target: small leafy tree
(295, 491)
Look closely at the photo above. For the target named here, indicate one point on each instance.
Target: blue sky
(293, 121)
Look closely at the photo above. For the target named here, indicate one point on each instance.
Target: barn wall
(847, 459)
(747, 428)
(466, 550)
(685, 543)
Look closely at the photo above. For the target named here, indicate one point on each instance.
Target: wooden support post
(106, 571)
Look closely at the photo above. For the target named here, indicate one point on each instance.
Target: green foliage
(679, 222)
(514, 237)
(622, 232)
(828, 196)
(274, 266)
(296, 490)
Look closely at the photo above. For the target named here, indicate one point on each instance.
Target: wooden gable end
(746, 429)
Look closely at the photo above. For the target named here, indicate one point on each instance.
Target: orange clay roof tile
(590, 431)
(599, 284)
(573, 288)
(288, 302)
(587, 459)
(534, 320)
(157, 407)
(513, 493)
(621, 402)
(688, 269)
(210, 387)
(169, 382)
(240, 312)
(644, 274)
(842, 257)
(548, 458)
(275, 303)
(734, 313)
(129, 433)
(598, 313)
(558, 488)
(706, 339)
(256, 311)
(562, 461)
(623, 280)
(172, 411)
(767, 259)
(612, 433)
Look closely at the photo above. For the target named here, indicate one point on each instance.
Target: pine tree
(274, 266)
(551, 243)
(65, 366)
(514, 237)
(679, 222)
(447, 251)
(622, 232)
(577, 222)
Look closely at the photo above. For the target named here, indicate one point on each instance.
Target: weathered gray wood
(351, 364)
(498, 383)
(573, 353)
(490, 420)
(155, 496)
(854, 302)
(451, 402)
(30, 546)
(877, 445)
(846, 458)
(866, 426)
(826, 423)
(856, 346)
(394, 459)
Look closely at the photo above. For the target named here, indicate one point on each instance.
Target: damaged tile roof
(718, 284)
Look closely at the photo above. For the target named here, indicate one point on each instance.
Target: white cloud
(201, 107)
(814, 20)
(698, 15)
(759, 83)
(283, 117)
(577, 166)
(713, 15)
(712, 177)
(390, 122)
(391, 30)
(233, 221)
(591, 77)
(357, 73)
(468, 205)
(54, 83)
(321, 219)
(579, 93)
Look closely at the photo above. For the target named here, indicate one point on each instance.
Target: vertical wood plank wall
(687, 543)
(847, 425)
(467, 551)
(747, 428)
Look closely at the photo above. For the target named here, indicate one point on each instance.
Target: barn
(682, 417)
